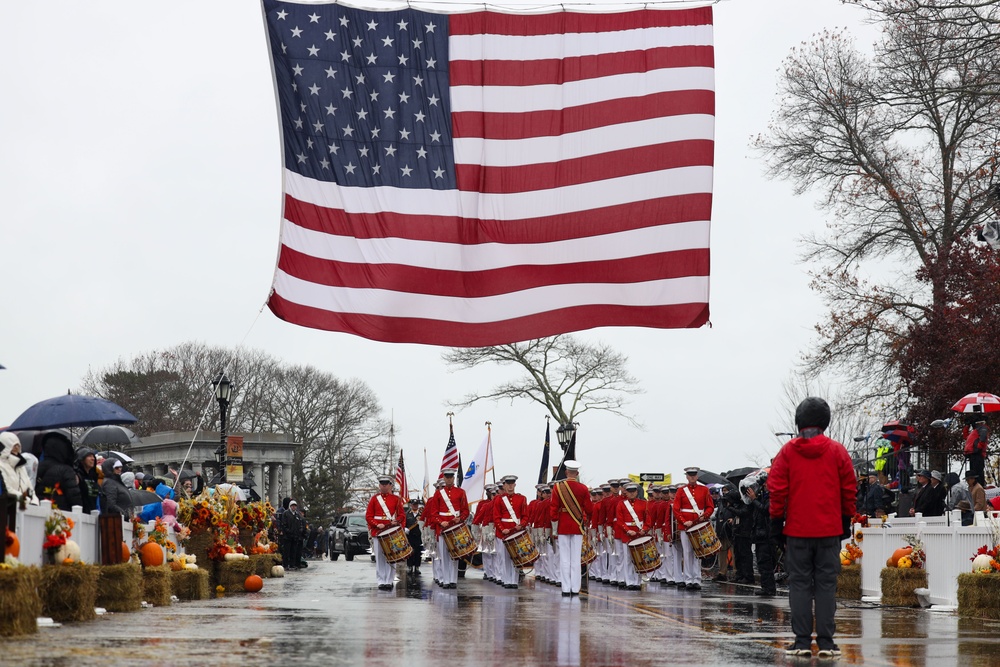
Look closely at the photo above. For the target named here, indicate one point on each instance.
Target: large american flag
(482, 178)
(404, 490)
(451, 458)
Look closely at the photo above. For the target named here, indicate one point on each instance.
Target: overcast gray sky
(140, 180)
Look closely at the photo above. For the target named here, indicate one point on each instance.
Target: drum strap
(447, 501)
(385, 508)
(631, 510)
(694, 505)
(570, 503)
(510, 508)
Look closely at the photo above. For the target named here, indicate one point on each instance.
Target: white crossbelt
(385, 508)
(447, 501)
(696, 509)
(510, 509)
(631, 511)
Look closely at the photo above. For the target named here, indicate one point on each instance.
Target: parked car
(349, 537)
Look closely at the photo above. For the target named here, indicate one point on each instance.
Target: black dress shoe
(566, 595)
(510, 585)
(633, 588)
(694, 587)
(670, 583)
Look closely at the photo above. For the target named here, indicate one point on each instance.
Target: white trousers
(667, 557)
(448, 573)
(570, 551)
(385, 572)
(506, 571)
(691, 564)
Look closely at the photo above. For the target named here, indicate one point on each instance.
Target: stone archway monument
(267, 458)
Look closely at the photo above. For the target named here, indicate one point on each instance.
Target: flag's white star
(284, 49)
(301, 157)
(345, 56)
(387, 41)
(375, 132)
(374, 96)
(314, 18)
(330, 35)
(431, 63)
(390, 151)
(362, 115)
(303, 106)
(371, 59)
(298, 123)
(281, 15)
(430, 27)
(295, 86)
(406, 170)
(297, 70)
(331, 73)
(309, 143)
(347, 92)
(402, 25)
(330, 109)
(318, 126)
(403, 59)
(357, 42)
(350, 168)
(372, 25)
(324, 163)
(389, 113)
(421, 152)
(435, 136)
(314, 89)
(389, 77)
(349, 131)
(439, 173)
(433, 100)
(314, 50)
(296, 31)
(360, 79)
(344, 21)
(404, 135)
(376, 169)
(334, 148)
(419, 116)
(417, 43)
(364, 151)
(418, 81)
(404, 98)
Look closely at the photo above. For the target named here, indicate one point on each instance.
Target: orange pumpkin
(14, 546)
(151, 554)
(897, 554)
(176, 565)
(126, 554)
(253, 583)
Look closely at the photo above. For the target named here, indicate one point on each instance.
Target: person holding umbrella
(115, 497)
(976, 435)
(57, 481)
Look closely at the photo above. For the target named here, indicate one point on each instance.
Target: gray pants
(813, 565)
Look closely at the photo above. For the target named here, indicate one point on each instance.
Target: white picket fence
(948, 544)
(31, 533)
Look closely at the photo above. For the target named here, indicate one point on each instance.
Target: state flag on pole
(482, 178)
(481, 465)
(404, 491)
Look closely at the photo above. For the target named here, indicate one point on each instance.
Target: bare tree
(904, 148)
(567, 376)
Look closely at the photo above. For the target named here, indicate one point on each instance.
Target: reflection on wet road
(333, 614)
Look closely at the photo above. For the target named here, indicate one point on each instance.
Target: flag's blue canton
(363, 95)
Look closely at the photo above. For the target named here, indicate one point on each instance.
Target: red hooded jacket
(812, 485)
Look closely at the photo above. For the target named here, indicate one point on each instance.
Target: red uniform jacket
(611, 511)
(652, 518)
(483, 514)
(541, 515)
(442, 514)
(682, 506)
(558, 512)
(595, 516)
(626, 523)
(812, 485)
(375, 516)
(503, 525)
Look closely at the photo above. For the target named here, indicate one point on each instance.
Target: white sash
(385, 508)
(447, 501)
(510, 508)
(694, 505)
(631, 511)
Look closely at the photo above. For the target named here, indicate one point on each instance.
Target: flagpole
(489, 444)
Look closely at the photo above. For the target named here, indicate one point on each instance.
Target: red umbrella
(898, 431)
(979, 402)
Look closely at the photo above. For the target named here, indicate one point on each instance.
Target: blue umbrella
(71, 410)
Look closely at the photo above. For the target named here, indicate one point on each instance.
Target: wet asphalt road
(332, 614)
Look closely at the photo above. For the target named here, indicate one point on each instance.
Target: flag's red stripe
(470, 231)
(562, 70)
(494, 23)
(466, 124)
(419, 280)
(590, 169)
(441, 332)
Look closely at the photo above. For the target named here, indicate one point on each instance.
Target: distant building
(267, 458)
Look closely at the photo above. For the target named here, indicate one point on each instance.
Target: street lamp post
(223, 391)
(564, 434)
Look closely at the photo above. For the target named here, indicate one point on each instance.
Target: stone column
(272, 484)
(286, 479)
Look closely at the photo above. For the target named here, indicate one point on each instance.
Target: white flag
(474, 483)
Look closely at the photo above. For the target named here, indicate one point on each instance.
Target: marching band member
(668, 572)
(538, 512)
(430, 517)
(651, 521)
(596, 572)
(610, 512)
(570, 510)
(385, 509)
(452, 509)
(508, 517)
(628, 527)
(484, 519)
(692, 506)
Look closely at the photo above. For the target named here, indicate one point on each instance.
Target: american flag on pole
(404, 491)
(483, 178)
(451, 457)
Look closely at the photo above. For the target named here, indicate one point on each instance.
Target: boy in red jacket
(812, 487)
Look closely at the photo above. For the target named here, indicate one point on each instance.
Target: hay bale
(198, 545)
(69, 592)
(262, 564)
(979, 595)
(20, 603)
(849, 582)
(190, 584)
(156, 585)
(898, 584)
(119, 587)
(232, 573)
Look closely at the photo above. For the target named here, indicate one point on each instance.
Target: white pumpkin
(69, 550)
(982, 564)
(277, 571)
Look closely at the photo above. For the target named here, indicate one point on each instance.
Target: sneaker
(829, 652)
(794, 651)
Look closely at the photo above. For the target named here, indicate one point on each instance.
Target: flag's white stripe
(571, 45)
(596, 141)
(488, 256)
(517, 206)
(495, 308)
(516, 99)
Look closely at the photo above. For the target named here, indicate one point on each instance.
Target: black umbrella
(142, 497)
(706, 478)
(109, 435)
(111, 454)
(735, 476)
(71, 410)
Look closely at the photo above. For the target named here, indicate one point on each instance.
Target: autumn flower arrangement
(985, 561)
(138, 533)
(254, 516)
(58, 529)
(199, 513)
(160, 535)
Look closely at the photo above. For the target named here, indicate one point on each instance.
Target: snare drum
(521, 549)
(703, 539)
(587, 553)
(644, 555)
(394, 544)
(458, 539)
